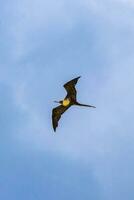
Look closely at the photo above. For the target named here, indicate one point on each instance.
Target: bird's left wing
(56, 115)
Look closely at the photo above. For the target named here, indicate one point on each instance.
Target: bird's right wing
(70, 88)
(56, 115)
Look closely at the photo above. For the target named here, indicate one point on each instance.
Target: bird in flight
(69, 100)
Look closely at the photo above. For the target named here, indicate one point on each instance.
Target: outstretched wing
(56, 115)
(70, 88)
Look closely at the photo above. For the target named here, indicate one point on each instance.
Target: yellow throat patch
(65, 102)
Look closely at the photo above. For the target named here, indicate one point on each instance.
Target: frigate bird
(69, 100)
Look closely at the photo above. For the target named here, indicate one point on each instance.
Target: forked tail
(79, 104)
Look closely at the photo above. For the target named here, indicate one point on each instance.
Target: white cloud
(31, 16)
(31, 20)
(99, 137)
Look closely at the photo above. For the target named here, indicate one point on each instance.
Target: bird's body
(68, 101)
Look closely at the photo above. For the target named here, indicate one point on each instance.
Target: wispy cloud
(48, 43)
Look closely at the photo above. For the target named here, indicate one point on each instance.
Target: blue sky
(43, 45)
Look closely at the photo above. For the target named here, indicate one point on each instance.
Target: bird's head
(60, 102)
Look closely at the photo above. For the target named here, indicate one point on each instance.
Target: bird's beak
(56, 101)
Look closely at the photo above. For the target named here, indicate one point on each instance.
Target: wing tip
(54, 127)
(78, 77)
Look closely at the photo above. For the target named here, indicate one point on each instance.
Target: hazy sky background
(44, 44)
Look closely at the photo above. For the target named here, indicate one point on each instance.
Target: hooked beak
(56, 101)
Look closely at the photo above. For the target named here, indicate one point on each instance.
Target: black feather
(70, 88)
(56, 115)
